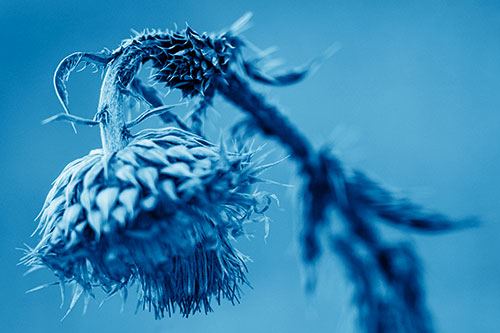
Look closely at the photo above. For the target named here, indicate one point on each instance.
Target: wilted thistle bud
(161, 212)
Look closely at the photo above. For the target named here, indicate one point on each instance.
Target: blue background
(412, 97)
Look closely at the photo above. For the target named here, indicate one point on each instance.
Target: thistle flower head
(160, 212)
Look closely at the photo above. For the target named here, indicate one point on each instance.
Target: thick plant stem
(269, 119)
(319, 192)
(114, 133)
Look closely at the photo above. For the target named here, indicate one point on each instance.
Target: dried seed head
(160, 212)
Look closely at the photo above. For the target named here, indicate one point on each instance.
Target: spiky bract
(160, 212)
(184, 59)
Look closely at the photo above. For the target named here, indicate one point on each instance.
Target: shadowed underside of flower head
(161, 212)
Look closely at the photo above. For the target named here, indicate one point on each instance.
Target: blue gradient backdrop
(412, 97)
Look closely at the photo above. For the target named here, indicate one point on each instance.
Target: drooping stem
(319, 192)
(268, 118)
(114, 132)
(389, 292)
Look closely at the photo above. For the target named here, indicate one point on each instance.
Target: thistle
(160, 207)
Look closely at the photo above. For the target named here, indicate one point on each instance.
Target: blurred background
(412, 98)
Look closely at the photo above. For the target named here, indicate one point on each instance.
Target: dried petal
(95, 220)
(203, 152)
(81, 226)
(92, 174)
(168, 187)
(55, 236)
(127, 156)
(54, 207)
(152, 155)
(148, 176)
(70, 217)
(175, 140)
(128, 198)
(126, 173)
(180, 153)
(87, 198)
(179, 170)
(120, 215)
(106, 199)
(205, 164)
(76, 178)
(190, 187)
(149, 203)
